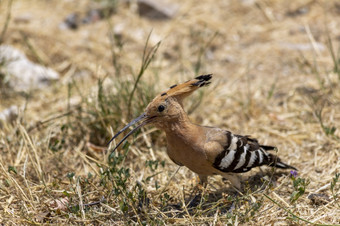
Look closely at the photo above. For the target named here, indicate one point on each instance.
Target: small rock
(9, 114)
(319, 198)
(73, 21)
(70, 22)
(21, 74)
(156, 9)
(59, 204)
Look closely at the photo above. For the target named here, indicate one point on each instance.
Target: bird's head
(165, 108)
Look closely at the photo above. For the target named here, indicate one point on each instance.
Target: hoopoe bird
(204, 150)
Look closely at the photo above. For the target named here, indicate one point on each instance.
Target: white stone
(22, 74)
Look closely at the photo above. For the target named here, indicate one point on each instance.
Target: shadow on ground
(226, 199)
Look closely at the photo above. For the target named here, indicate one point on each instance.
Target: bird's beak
(138, 119)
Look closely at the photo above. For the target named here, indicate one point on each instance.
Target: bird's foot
(201, 183)
(235, 182)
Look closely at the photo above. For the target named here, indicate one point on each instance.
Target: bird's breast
(190, 154)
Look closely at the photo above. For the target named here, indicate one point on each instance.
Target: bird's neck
(184, 131)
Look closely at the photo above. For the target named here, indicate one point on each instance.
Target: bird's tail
(276, 162)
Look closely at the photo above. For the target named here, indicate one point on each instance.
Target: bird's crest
(183, 90)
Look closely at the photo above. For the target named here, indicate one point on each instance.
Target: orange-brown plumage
(204, 150)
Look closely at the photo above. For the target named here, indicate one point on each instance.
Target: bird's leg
(203, 180)
(235, 181)
(198, 190)
(202, 183)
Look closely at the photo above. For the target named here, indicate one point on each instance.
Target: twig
(81, 205)
(29, 142)
(166, 186)
(32, 49)
(102, 200)
(40, 123)
(288, 211)
(146, 60)
(8, 18)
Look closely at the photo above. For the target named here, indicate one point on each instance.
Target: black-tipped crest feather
(202, 80)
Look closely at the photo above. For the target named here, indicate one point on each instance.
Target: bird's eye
(161, 108)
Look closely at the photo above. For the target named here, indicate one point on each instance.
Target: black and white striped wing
(242, 153)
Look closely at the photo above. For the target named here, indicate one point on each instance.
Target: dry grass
(270, 80)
